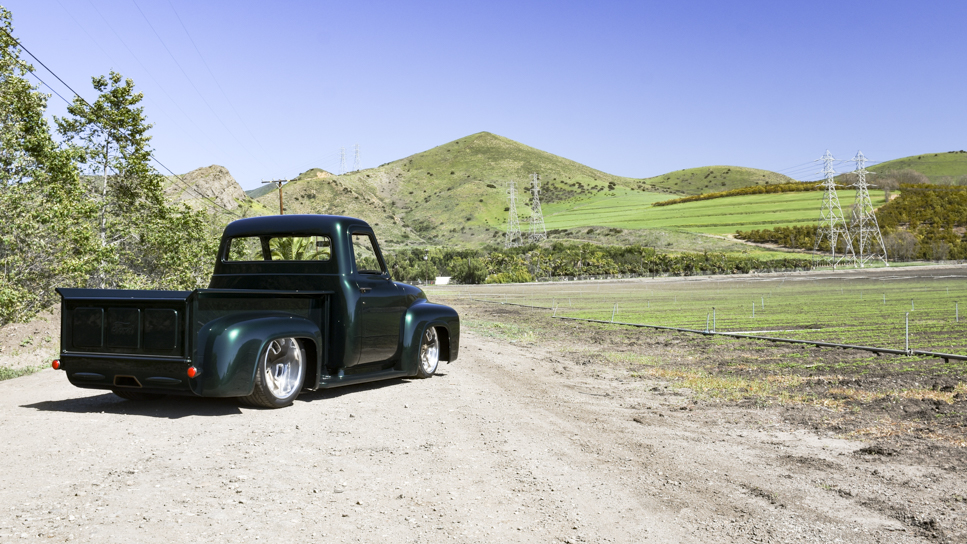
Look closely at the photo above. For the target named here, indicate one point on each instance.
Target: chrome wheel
(283, 366)
(429, 353)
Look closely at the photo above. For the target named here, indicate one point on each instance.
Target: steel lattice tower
(342, 160)
(865, 228)
(514, 238)
(356, 160)
(538, 230)
(832, 224)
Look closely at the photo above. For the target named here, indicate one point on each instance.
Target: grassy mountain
(456, 194)
(710, 179)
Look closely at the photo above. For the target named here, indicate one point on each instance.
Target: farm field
(864, 307)
(633, 210)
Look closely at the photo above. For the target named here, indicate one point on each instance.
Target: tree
(900, 245)
(144, 241)
(45, 241)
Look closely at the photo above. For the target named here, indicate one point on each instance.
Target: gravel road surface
(508, 444)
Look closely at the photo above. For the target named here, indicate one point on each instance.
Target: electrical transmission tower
(538, 231)
(356, 160)
(832, 224)
(514, 238)
(865, 228)
(342, 160)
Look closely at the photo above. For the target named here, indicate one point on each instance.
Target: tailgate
(114, 338)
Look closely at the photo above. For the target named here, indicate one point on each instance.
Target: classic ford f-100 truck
(296, 303)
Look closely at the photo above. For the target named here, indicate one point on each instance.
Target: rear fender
(418, 317)
(228, 350)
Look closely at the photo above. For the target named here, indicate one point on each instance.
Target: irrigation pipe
(947, 357)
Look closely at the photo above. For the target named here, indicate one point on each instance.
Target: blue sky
(631, 88)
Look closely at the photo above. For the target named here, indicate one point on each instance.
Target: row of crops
(866, 308)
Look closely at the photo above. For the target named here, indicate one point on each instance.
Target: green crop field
(861, 307)
(633, 210)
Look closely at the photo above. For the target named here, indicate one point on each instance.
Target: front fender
(419, 316)
(228, 350)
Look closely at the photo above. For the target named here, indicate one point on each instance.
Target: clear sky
(636, 88)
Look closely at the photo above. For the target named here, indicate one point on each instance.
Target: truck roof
(284, 224)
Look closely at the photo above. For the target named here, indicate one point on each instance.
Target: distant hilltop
(211, 183)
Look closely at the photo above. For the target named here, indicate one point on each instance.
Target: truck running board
(349, 379)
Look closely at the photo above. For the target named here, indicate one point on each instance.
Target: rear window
(280, 248)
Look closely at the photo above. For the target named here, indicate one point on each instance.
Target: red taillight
(56, 364)
(192, 372)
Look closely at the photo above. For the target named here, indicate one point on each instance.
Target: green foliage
(795, 237)
(470, 270)
(533, 261)
(144, 242)
(921, 223)
(45, 237)
(66, 223)
(751, 190)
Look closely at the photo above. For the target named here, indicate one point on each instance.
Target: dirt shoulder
(528, 437)
(26, 345)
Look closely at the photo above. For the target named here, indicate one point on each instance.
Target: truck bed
(146, 340)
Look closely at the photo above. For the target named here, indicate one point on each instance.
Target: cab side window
(364, 253)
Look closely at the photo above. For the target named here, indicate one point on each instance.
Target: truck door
(380, 305)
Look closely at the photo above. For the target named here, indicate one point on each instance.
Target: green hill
(945, 168)
(455, 193)
(711, 179)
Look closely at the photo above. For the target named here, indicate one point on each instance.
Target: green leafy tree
(45, 239)
(144, 241)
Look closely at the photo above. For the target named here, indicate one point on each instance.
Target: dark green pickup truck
(296, 303)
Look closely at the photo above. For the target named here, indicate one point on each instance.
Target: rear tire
(428, 358)
(280, 374)
(127, 394)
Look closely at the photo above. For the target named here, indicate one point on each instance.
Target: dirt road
(509, 444)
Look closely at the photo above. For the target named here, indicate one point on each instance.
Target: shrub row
(751, 190)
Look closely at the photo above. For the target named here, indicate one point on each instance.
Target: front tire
(429, 354)
(280, 374)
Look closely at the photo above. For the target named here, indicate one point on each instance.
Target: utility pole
(514, 238)
(832, 224)
(342, 160)
(356, 160)
(869, 239)
(278, 183)
(538, 231)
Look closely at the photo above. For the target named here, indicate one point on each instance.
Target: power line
(217, 84)
(143, 67)
(178, 64)
(88, 104)
(44, 83)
